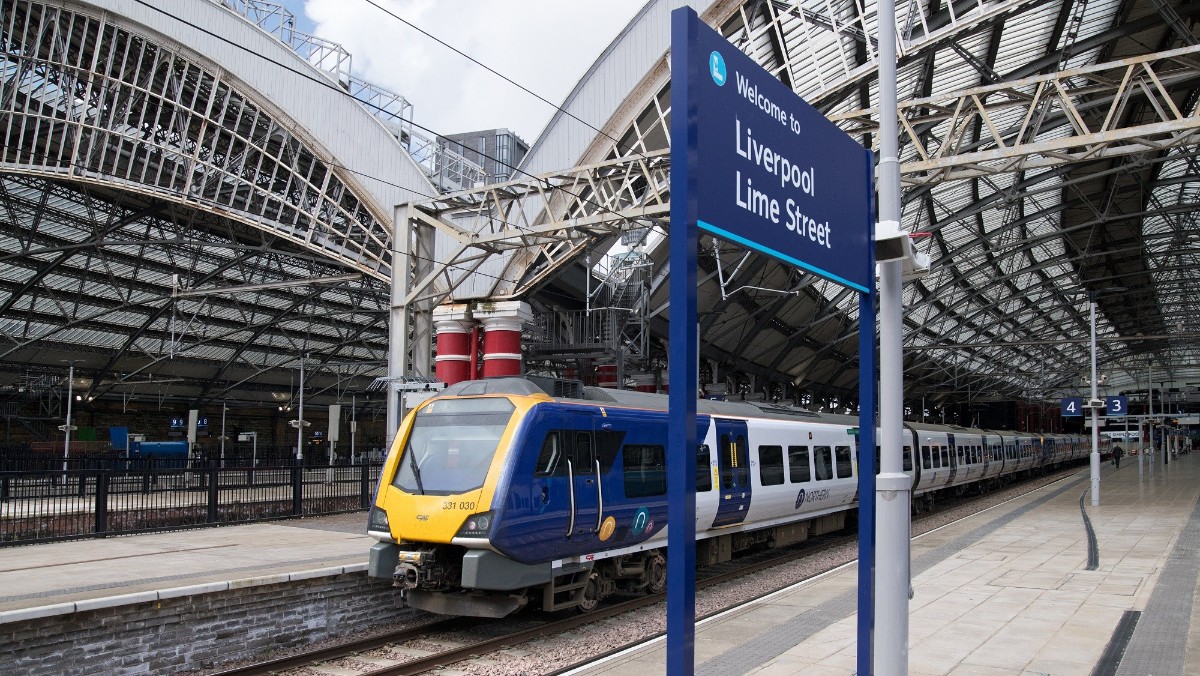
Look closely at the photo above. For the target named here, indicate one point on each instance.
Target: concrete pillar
(502, 323)
(453, 325)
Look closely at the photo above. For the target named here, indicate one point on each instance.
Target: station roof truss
(1048, 158)
(162, 222)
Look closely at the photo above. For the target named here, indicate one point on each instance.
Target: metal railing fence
(117, 496)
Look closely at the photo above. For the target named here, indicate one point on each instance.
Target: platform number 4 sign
(1116, 406)
(1072, 407)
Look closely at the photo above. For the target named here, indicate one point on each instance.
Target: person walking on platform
(1117, 453)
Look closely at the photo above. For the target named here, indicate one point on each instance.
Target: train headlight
(476, 526)
(378, 521)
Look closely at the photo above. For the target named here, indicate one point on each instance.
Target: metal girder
(538, 223)
(1005, 113)
(100, 103)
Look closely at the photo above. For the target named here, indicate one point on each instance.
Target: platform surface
(94, 570)
(1007, 591)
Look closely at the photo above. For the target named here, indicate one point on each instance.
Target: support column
(453, 325)
(502, 323)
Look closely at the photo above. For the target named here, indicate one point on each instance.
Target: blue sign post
(752, 163)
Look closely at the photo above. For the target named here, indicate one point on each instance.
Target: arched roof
(1047, 159)
(184, 211)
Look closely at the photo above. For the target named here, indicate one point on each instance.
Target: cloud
(543, 45)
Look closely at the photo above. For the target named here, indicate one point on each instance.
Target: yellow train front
(494, 494)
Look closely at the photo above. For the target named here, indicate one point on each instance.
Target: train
(505, 492)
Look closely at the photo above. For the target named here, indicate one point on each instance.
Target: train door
(953, 459)
(733, 463)
(584, 478)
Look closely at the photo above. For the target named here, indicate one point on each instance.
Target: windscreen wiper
(412, 463)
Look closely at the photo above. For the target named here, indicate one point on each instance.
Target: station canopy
(1048, 160)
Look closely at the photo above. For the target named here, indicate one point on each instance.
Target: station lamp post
(1094, 402)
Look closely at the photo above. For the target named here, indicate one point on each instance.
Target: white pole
(224, 408)
(300, 413)
(892, 486)
(67, 427)
(1150, 420)
(254, 449)
(1095, 415)
(353, 420)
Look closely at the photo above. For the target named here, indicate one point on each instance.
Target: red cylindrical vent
(498, 341)
(453, 362)
(452, 370)
(501, 347)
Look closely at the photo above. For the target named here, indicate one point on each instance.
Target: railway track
(477, 645)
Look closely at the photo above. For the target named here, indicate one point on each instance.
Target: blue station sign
(1072, 407)
(777, 177)
(1116, 406)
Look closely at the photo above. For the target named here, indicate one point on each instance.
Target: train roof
(573, 391)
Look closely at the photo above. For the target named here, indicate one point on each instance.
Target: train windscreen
(451, 445)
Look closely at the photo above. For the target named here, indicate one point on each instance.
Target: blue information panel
(1116, 406)
(778, 177)
(1072, 407)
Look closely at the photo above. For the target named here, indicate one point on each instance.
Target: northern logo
(716, 68)
(800, 498)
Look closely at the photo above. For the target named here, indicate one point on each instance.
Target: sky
(544, 45)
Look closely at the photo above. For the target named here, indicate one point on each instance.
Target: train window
(907, 458)
(735, 471)
(451, 445)
(770, 465)
(945, 456)
(798, 470)
(878, 460)
(926, 458)
(645, 470)
(845, 466)
(551, 452)
(823, 459)
(584, 457)
(703, 475)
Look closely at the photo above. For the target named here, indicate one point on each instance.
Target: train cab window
(823, 459)
(551, 452)
(845, 466)
(770, 465)
(703, 475)
(451, 445)
(798, 468)
(584, 456)
(908, 465)
(645, 470)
